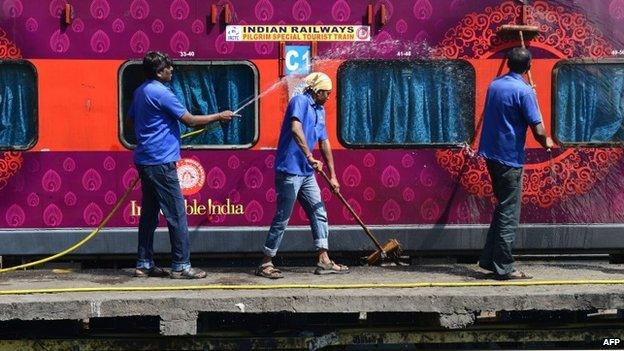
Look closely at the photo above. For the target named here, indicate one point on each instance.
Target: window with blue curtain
(204, 88)
(589, 102)
(405, 103)
(18, 101)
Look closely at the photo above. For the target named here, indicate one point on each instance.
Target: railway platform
(441, 299)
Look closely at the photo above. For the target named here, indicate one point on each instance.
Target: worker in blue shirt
(303, 127)
(510, 107)
(155, 112)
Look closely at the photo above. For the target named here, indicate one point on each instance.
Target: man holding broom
(510, 107)
(303, 127)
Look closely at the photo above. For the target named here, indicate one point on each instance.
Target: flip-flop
(268, 270)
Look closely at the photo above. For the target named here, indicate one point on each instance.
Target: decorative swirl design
(59, 42)
(616, 9)
(100, 42)
(341, 11)
(139, 43)
(351, 176)
(91, 180)
(233, 162)
(129, 176)
(271, 195)
(31, 25)
(391, 211)
(118, 25)
(179, 9)
(139, 9)
(78, 25)
(369, 194)
(70, 199)
(179, 42)
(368, 160)
(422, 9)
(254, 212)
(407, 161)
(269, 161)
(52, 216)
(15, 216)
(408, 194)
(301, 11)
(428, 178)
(51, 181)
(110, 197)
(215, 178)
(158, 26)
(264, 10)
(429, 210)
(13, 8)
(56, 8)
(109, 163)
(197, 26)
(10, 163)
(100, 9)
(32, 200)
(401, 26)
(390, 177)
(128, 218)
(92, 214)
(264, 47)
(253, 178)
(223, 47)
(567, 33)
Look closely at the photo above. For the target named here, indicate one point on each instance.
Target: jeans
(161, 191)
(507, 186)
(290, 188)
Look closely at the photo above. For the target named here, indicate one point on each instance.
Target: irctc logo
(191, 175)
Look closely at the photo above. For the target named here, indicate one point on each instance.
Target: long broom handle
(529, 70)
(357, 218)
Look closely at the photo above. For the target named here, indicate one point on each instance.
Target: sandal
(330, 268)
(268, 270)
(513, 276)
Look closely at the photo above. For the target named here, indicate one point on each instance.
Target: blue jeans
(161, 191)
(507, 186)
(291, 188)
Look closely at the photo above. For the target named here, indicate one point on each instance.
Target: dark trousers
(507, 187)
(161, 191)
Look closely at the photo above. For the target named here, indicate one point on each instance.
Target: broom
(389, 251)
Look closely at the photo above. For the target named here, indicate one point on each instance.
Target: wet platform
(449, 296)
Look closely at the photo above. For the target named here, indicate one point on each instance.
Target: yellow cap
(318, 81)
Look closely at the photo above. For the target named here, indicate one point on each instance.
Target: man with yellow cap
(303, 127)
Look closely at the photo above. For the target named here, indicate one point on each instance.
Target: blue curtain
(207, 89)
(18, 101)
(589, 103)
(406, 102)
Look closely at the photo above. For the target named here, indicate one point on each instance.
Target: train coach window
(405, 103)
(203, 88)
(588, 101)
(18, 103)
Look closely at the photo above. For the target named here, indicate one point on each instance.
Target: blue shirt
(510, 107)
(155, 111)
(289, 158)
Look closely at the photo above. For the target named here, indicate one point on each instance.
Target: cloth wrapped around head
(318, 81)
